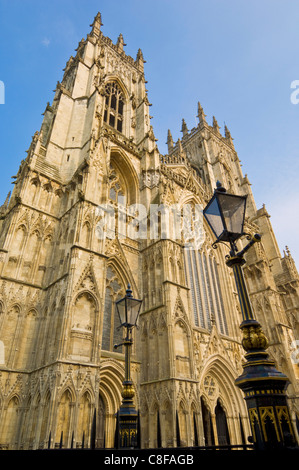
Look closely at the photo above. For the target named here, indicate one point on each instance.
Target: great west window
(114, 106)
(203, 279)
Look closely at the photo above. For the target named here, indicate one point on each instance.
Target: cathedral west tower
(64, 262)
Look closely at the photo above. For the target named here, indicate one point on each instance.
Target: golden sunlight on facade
(60, 376)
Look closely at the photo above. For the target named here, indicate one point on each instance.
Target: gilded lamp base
(264, 389)
(263, 385)
(128, 419)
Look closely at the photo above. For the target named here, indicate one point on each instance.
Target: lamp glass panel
(133, 306)
(128, 310)
(121, 310)
(213, 216)
(233, 210)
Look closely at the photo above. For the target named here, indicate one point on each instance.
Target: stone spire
(201, 115)
(228, 135)
(290, 263)
(215, 125)
(180, 147)
(287, 252)
(184, 129)
(169, 141)
(5, 205)
(96, 25)
(120, 43)
(139, 60)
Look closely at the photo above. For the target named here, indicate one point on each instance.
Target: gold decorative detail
(268, 412)
(254, 338)
(127, 436)
(283, 413)
(253, 416)
(128, 391)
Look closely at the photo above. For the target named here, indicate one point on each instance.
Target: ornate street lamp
(263, 385)
(128, 310)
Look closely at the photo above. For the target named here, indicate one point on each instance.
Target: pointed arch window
(112, 334)
(116, 184)
(114, 106)
(221, 424)
(206, 294)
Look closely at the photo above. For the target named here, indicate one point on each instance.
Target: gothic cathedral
(61, 378)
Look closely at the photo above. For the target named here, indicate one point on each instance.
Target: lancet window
(112, 334)
(114, 106)
(206, 295)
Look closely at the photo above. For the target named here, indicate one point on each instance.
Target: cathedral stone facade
(64, 264)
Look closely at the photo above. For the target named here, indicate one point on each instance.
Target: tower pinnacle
(96, 25)
(169, 141)
(120, 42)
(228, 135)
(215, 125)
(201, 115)
(184, 129)
(140, 60)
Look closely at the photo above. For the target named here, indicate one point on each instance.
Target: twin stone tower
(69, 246)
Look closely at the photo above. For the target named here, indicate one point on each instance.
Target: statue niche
(82, 332)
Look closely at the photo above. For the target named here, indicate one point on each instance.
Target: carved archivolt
(217, 381)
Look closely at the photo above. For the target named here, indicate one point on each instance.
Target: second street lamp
(263, 385)
(128, 310)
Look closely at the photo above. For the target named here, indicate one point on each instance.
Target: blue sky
(237, 58)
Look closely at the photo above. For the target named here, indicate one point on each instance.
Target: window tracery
(114, 106)
(116, 185)
(112, 334)
(206, 294)
(210, 386)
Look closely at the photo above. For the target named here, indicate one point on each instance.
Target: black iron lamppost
(128, 310)
(263, 385)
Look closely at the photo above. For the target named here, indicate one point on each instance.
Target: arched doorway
(221, 423)
(109, 401)
(207, 424)
(224, 402)
(101, 424)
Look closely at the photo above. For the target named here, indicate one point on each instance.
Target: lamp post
(128, 310)
(263, 385)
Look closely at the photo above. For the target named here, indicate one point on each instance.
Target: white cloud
(46, 42)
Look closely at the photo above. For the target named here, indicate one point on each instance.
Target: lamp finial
(129, 291)
(219, 187)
